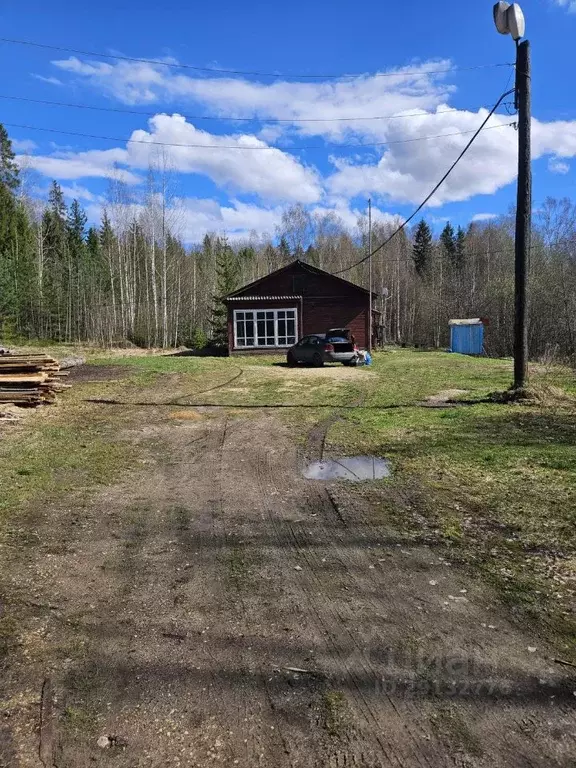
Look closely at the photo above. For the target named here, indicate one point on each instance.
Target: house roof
(261, 297)
(304, 266)
(472, 321)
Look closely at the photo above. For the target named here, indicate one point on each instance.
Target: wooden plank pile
(30, 380)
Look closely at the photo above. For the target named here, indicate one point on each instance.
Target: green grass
(79, 720)
(496, 483)
(334, 706)
(240, 381)
(50, 459)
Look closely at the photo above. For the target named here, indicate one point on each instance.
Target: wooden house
(274, 312)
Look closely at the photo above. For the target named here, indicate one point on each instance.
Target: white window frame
(255, 321)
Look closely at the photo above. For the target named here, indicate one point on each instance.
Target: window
(286, 327)
(265, 328)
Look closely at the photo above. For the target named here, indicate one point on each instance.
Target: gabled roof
(305, 267)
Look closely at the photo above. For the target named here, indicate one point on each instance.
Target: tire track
(327, 620)
(301, 543)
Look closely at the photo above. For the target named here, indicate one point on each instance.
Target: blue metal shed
(467, 336)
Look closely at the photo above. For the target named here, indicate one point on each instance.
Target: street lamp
(509, 20)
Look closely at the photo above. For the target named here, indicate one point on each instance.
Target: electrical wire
(214, 70)
(436, 188)
(242, 119)
(287, 148)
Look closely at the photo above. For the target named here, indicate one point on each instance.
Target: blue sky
(240, 190)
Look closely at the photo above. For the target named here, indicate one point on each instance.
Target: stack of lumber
(30, 379)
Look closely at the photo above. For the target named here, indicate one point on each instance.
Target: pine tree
(226, 282)
(422, 248)
(448, 243)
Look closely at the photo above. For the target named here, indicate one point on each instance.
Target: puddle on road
(356, 469)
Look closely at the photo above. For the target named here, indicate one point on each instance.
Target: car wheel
(317, 360)
(291, 359)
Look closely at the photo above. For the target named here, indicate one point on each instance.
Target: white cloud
(407, 172)
(73, 191)
(49, 80)
(363, 97)
(95, 163)
(269, 173)
(191, 218)
(131, 82)
(557, 138)
(570, 5)
(558, 166)
(237, 220)
(340, 207)
(23, 145)
(485, 216)
(410, 88)
(403, 170)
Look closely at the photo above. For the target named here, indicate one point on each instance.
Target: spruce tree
(76, 224)
(422, 248)
(284, 255)
(106, 233)
(448, 243)
(8, 291)
(311, 256)
(9, 172)
(246, 259)
(460, 248)
(11, 219)
(106, 238)
(93, 245)
(56, 267)
(226, 282)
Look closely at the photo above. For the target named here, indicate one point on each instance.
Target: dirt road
(215, 608)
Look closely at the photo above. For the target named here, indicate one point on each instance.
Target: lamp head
(500, 17)
(516, 21)
(509, 19)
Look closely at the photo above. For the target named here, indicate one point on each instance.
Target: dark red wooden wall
(326, 302)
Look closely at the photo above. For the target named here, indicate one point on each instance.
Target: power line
(241, 119)
(287, 148)
(215, 70)
(436, 188)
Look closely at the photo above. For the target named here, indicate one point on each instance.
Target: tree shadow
(521, 428)
(205, 352)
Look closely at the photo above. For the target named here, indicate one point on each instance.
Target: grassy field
(493, 483)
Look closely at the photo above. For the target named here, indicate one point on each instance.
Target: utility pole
(370, 272)
(523, 213)
(509, 20)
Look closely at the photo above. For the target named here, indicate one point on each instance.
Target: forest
(131, 278)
